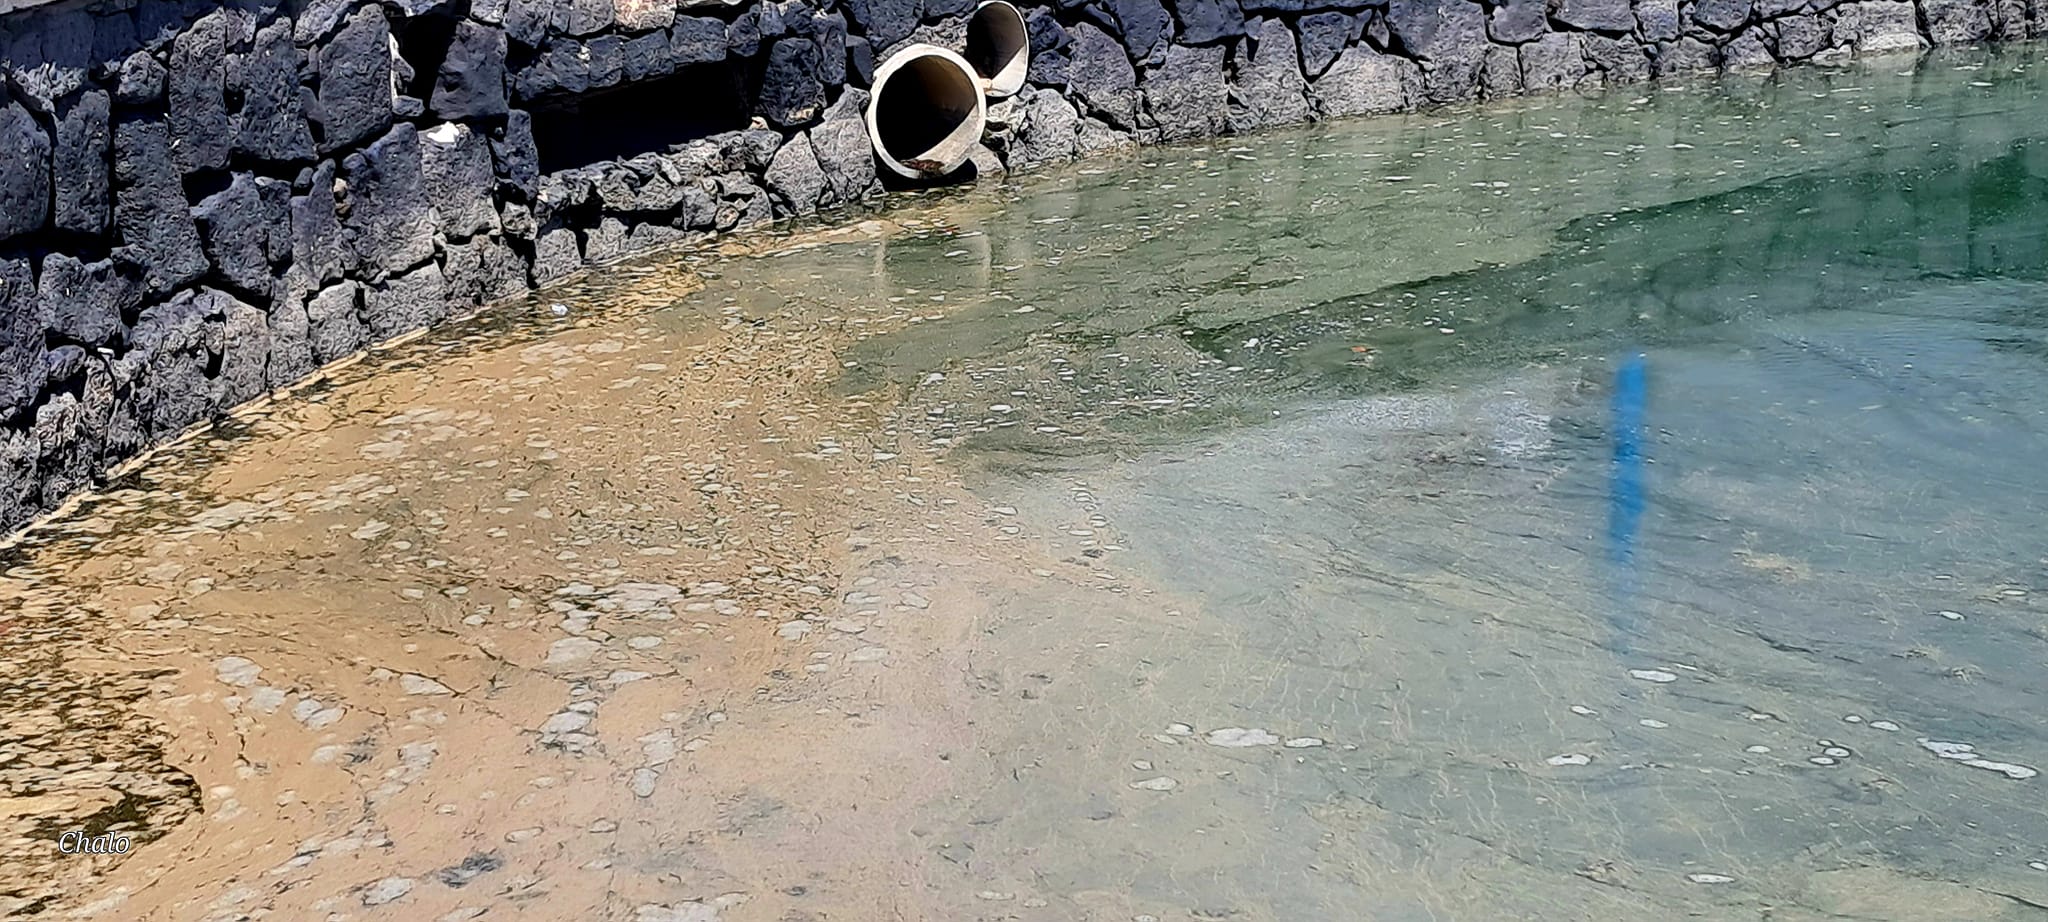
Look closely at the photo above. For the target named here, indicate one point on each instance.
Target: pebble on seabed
(1161, 783)
(1966, 753)
(1241, 737)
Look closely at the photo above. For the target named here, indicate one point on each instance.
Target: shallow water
(1625, 506)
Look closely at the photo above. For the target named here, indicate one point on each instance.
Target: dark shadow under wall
(694, 103)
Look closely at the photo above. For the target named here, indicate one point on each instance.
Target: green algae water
(1620, 506)
(1631, 504)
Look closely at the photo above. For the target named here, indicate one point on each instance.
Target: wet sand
(549, 623)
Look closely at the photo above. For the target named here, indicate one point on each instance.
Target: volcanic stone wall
(202, 201)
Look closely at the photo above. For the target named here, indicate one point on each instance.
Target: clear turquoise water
(1418, 436)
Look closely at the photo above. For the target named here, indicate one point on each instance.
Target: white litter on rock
(1710, 878)
(1570, 758)
(1161, 783)
(1658, 676)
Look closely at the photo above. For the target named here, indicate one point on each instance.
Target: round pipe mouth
(926, 112)
(999, 47)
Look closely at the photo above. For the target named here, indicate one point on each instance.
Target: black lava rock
(1206, 21)
(25, 182)
(471, 81)
(21, 339)
(791, 91)
(355, 81)
(197, 83)
(829, 31)
(245, 228)
(1144, 27)
(607, 57)
(150, 211)
(860, 62)
(647, 56)
(271, 124)
(513, 149)
(456, 163)
(140, 80)
(318, 246)
(84, 302)
(883, 22)
(743, 34)
(697, 40)
(389, 227)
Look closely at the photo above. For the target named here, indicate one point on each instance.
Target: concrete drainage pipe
(999, 47)
(925, 113)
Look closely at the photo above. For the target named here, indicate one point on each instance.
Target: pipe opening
(927, 112)
(999, 47)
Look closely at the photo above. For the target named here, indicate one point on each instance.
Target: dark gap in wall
(653, 115)
(201, 184)
(423, 42)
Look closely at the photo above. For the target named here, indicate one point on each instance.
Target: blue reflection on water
(1625, 500)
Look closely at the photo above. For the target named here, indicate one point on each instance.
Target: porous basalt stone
(354, 101)
(792, 92)
(456, 165)
(152, 219)
(1102, 77)
(1364, 81)
(79, 178)
(1269, 88)
(85, 302)
(271, 123)
(1323, 37)
(25, 182)
(470, 83)
(197, 84)
(245, 229)
(389, 226)
(795, 176)
(406, 302)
